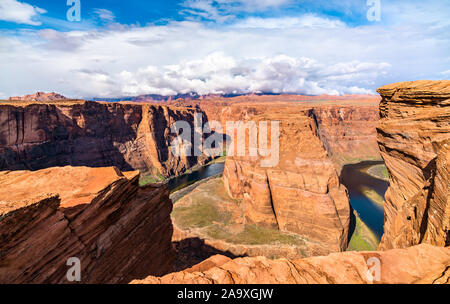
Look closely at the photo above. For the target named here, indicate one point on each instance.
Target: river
(199, 174)
(370, 213)
(351, 176)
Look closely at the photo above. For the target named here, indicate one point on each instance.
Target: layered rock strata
(35, 136)
(117, 230)
(301, 193)
(423, 264)
(414, 139)
(346, 124)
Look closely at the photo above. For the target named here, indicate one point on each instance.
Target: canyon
(413, 136)
(302, 193)
(69, 190)
(38, 135)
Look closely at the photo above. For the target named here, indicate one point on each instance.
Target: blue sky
(138, 12)
(124, 48)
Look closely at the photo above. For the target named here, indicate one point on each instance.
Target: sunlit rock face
(422, 264)
(300, 193)
(100, 216)
(414, 139)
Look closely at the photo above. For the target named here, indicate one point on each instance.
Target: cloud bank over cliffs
(304, 52)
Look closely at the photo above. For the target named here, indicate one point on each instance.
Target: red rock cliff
(118, 231)
(414, 139)
(346, 124)
(81, 133)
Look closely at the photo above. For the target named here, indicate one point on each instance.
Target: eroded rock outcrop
(423, 264)
(81, 133)
(117, 230)
(301, 193)
(414, 139)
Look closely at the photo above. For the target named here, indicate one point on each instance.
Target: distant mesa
(39, 96)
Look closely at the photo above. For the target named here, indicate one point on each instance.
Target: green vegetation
(378, 171)
(151, 179)
(363, 239)
(372, 195)
(254, 235)
(198, 215)
(213, 214)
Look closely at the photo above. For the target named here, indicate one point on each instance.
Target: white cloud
(303, 54)
(19, 12)
(105, 14)
(310, 21)
(218, 73)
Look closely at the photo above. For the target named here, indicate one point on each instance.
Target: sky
(126, 48)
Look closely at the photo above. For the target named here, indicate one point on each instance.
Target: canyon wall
(117, 230)
(301, 193)
(348, 132)
(423, 264)
(346, 124)
(34, 136)
(414, 139)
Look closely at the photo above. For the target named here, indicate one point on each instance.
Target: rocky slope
(423, 264)
(414, 139)
(81, 133)
(117, 230)
(301, 193)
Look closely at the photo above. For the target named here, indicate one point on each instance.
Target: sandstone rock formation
(117, 230)
(423, 264)
(348, 132)
(414, 139)
(82, 133)
(301, 194)
(39, 96)
(346, 124)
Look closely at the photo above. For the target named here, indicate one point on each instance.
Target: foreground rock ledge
(423, 264)
(119, 231)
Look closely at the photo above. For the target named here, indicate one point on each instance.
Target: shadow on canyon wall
(193, 251)
(42, 136)
(91, 134)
